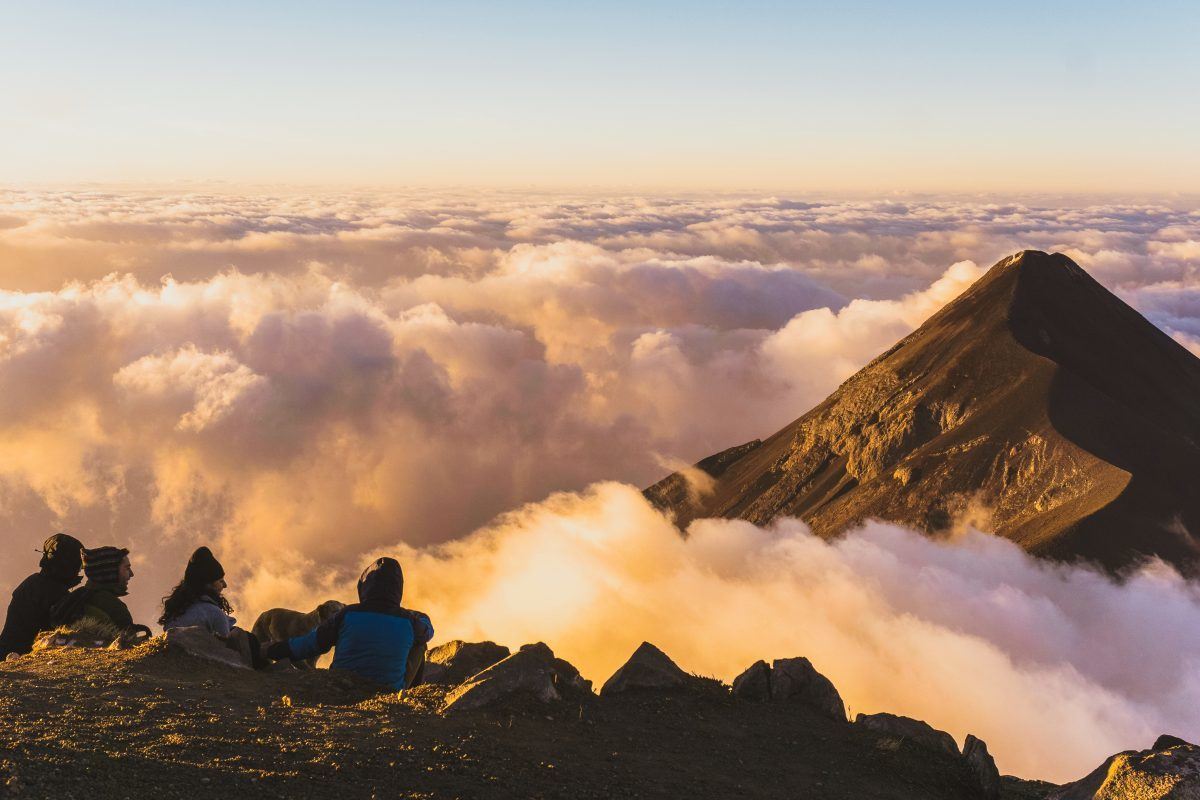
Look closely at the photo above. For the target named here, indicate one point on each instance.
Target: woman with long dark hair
(198, 602)
(198, 599)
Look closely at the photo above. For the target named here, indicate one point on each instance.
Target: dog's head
(329, 609)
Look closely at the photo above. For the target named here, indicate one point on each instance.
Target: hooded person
(29, 611)
(376, 637)
(108, 573)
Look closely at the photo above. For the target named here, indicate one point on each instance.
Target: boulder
(754, 683)
(200, 643)
(982, 766)
(1158, 774)
(567, 679)
(795, 679)
(647, 668)
(920, 732)
(454, 662)
(531, 672)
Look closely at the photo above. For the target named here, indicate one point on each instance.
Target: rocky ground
(156, 722)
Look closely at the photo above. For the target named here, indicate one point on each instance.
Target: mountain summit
(1037, 399)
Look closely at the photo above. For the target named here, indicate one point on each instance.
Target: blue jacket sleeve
(422, 626)
(320, 639)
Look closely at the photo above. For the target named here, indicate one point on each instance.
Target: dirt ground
(154, 723)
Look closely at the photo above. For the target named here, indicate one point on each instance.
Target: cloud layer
(1055, 667)
(303, 380)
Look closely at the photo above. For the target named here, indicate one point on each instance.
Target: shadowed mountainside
(1037, 397)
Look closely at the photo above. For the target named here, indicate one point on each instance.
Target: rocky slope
(1170, 770)
(157, 721)
(1037, 397)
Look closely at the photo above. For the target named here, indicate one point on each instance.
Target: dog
(280, 624)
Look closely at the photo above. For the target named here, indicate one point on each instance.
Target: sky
(923, 96)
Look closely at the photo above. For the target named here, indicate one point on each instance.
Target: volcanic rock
(567, 679)
(114, 724)
(531, 672)
(1036, 393)
(1167, 741)
(795, 679)
(200, 643)
(454, 662)
(909, 728)
(754, 683)
(1173, 772)
(647, 668)
(983, 766)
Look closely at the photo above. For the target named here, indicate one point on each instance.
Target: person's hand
(277, 651)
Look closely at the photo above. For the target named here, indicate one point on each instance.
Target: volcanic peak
(1037, 394)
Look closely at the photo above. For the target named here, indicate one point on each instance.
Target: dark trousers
(414, 671)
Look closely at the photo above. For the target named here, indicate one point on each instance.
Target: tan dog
(280, 624)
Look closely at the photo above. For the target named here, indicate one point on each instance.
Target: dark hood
(62, 558)
(382, 584)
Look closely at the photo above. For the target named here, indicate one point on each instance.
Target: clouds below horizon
(1056, 667)
(407, 365)
(301, 381)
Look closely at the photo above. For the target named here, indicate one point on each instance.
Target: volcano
(1036, 404)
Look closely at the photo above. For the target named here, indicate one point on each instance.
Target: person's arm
(318, 641)
(217, 620)
(422, 626)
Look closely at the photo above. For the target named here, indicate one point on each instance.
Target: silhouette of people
(376, 637)
(32, 601)
(198, 601)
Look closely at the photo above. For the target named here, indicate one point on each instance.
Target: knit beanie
(102, 564)
(203, 569)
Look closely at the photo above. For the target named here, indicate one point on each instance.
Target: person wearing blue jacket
(376, 637)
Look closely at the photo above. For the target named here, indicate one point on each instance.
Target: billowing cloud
(300, 381)
(1056, 667)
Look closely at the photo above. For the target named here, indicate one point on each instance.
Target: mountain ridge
(1037, 394)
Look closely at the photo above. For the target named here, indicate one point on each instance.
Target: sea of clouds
(304, 380)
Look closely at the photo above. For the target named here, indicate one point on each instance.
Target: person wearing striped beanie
(108, 572)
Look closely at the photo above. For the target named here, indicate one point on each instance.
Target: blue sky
(920, 96)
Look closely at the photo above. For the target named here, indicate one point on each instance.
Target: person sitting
(198, 602)
(29, 611)
(198, 599)
(108, 573)
(375, 638)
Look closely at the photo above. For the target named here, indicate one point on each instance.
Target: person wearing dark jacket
(375, 638)
(108, 572)
(29, 611)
